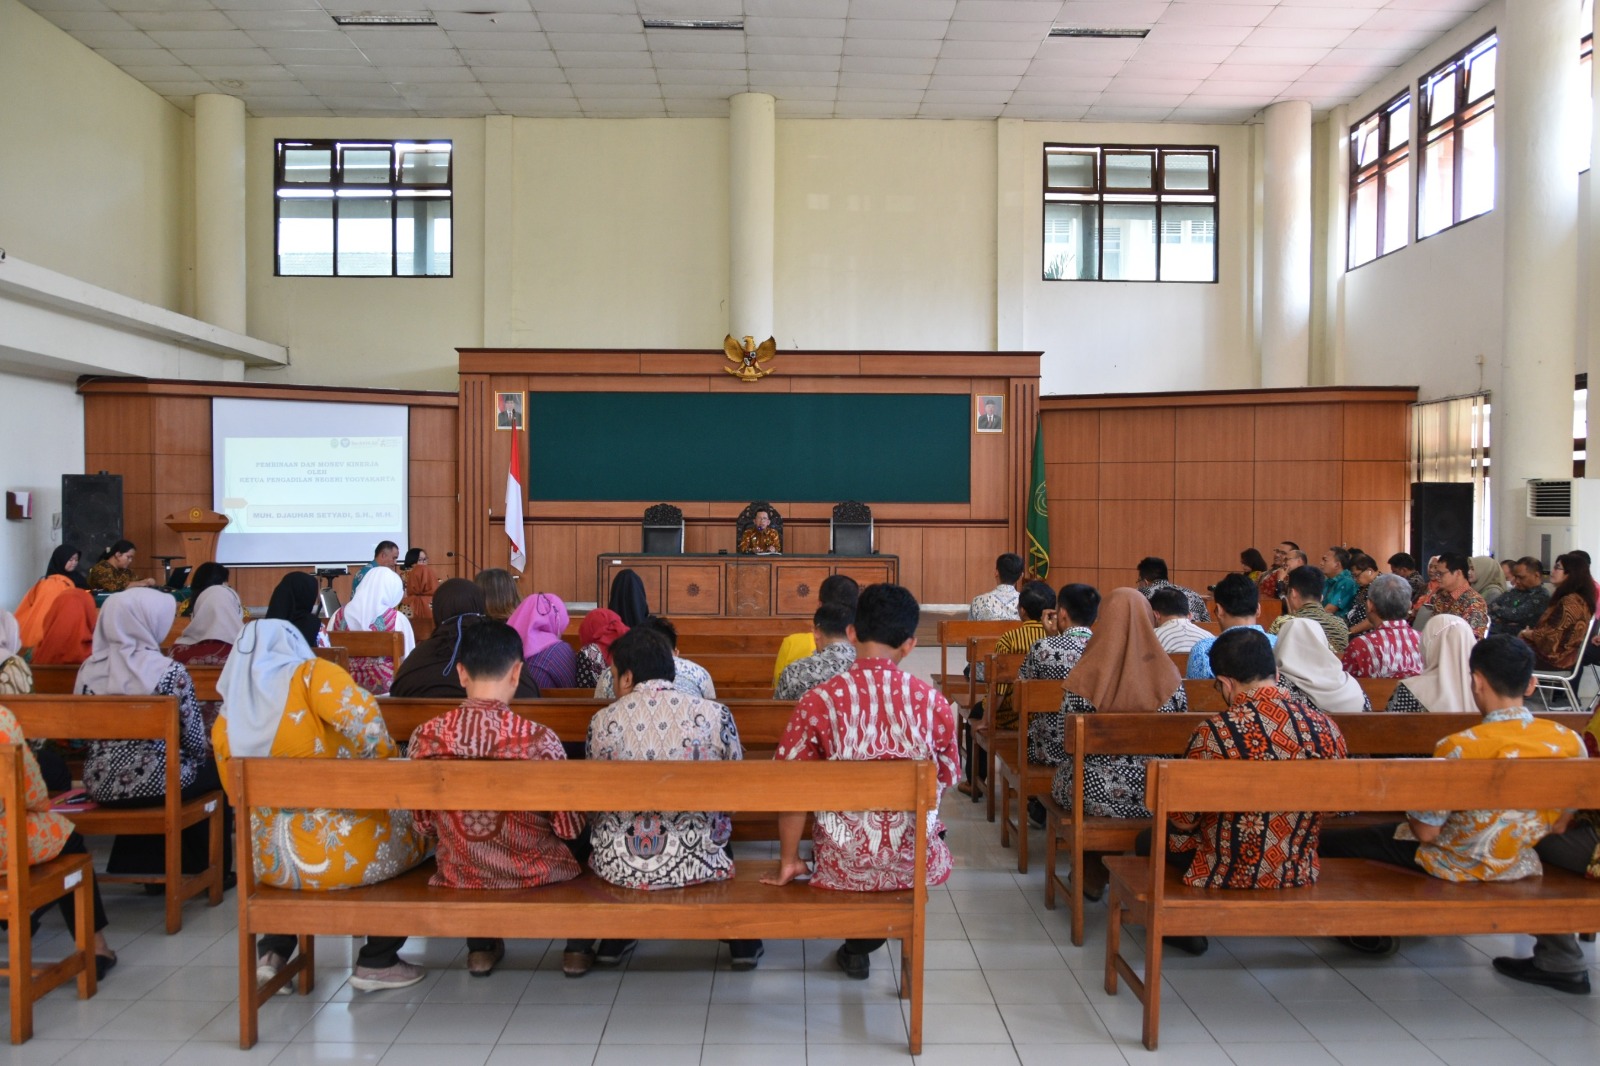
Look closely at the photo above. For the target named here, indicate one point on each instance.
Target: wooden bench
(954, 633)
(1203, 694)
(371, 644)
(1352, 897)
(25, 890)
(1018, 779)
(136, 718)
(741, 907)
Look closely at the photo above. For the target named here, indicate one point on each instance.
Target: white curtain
(1450, 442)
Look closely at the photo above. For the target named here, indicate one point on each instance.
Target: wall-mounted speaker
(91, 514)
(1441, 519)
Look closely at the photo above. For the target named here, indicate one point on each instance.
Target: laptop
(178, 578)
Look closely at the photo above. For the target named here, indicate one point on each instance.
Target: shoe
(156, 889)
(577, 962)
(856, 967)
(1576, 984)
(103, 965)
(1035, 813)
(267, 967)
(612, 952)
(401, 975)
(1377, 946)
(230, 881)
(482, 963)
(1192, 945)
(746, 953)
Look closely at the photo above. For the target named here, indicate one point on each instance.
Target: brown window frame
(1376, 172)
(337, 147)
(1156, 194)
(1453, 125)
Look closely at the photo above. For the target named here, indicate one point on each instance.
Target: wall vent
(1550, 499)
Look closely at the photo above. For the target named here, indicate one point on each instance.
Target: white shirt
(999, 605)
(1179, 635)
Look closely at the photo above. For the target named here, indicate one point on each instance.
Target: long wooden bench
(1203, 695)
(1352, 897)
(136, 718)
(371, 644)
(1376, 734)
(25, 890)
(52, 680)
(586, 906)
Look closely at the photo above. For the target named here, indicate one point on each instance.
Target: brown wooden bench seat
(739, 908)
(135, 718)
(1353, 897)
(1203, 695)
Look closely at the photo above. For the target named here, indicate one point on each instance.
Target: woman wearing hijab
(65, 561)
(540, 620)
(429, 672)
(595, 633)
(1445, 684)
(627, 599)
(68, 638)
(209, 637)
(1557, 638)
(374, 607)
(60, 576)
(127, 661)
(420, 584)
(1488, 580)
(16, 676)
(280, 700)
(206, 575)
(295, 601)
(1311, 672)
(499, 592)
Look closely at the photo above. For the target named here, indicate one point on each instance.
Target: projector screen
(306, 482)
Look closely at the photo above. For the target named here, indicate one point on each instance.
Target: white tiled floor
(1004, 986)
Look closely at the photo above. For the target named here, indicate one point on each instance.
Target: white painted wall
(96, 172)
(41, 438)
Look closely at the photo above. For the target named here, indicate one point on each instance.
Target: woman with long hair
(500, 593)
(114, 571)
(1557, 638)
(1251, 563)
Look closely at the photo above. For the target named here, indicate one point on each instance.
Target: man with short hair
(1153, 575)
(1033, 601)
(871, 711)
(1304, 600)
(1391, 648)
(1174, 631)
(1077, 606)
(1525, 602)
(1238, 605)
(835, 588)
(1000, 603)
(1272, 580)
(687, 677)
(761, 538)
(387, 553)
(1340, 590)
(1473, 845)
(1455, 595)
(830, 626)
(1404, 565)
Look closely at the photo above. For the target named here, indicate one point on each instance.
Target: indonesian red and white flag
(514, 530)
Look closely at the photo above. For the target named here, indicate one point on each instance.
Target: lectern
(197, 530)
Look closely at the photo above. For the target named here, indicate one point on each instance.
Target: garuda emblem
(747, 359)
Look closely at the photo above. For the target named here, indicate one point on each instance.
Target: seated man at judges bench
(761, 538)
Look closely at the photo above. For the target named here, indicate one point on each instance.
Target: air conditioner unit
(1563, 514)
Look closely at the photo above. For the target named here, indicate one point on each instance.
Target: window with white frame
(1380, 182)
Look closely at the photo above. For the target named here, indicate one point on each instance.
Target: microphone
(464, 557)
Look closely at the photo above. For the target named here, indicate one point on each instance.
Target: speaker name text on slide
(313, 485)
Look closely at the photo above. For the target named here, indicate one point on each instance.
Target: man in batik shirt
(1238, 607)
(999, 604)
(1052, 659)
(1455, 595)
(1304, 600)
(1525, 602)
(761, 538)
(1391, 648)
(1153, 576)
(830, 627)
(871, 711)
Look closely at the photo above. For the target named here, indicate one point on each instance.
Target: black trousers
(378, 953)
(146, 853)
(1178, 860)
(76, 846)
(1374, 842)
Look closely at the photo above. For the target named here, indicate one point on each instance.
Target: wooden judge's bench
(747, 586)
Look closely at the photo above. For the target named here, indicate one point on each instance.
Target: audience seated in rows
(1455, 595)
(1557, 638)
(831, 627)
(596, 633)
(1034, 602)
(1339, 590)
(209, 637)
(1312, 672)
(430, 671)
(628, 599)
(1153, 576)
(1487, 577)
(1174, 631)
(384, 556)
(1285, 557)
(1364, 569)
(1390, 648)
(1077, 607)
(500, 593)
(1304, 600)
(1524, 602)
(687, 677)
(375, 607)
(1238, 606)
(1403, 564)
(1445, 683)
(835, 588)
(68, 636)
(549, 661)
(1000, 602)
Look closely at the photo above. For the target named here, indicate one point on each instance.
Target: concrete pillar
(1286, 255)
(752, 205)
(1335, 204)
(1538, 191)
(219, 228)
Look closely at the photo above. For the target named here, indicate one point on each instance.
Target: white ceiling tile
(330, 75)
(1264, 89)
(902, 9)
(622, 109)
(1251, 102)
(1294, 37)
(1072, 68)
(899, 29)
(959, 111)
(73, 21)
(973, 83)
(500, 57)
(1210, 117)
(362, 89)
(402, 58)
(223, 57)
(881, 96)
(1038, 83)
(282, 20)
(180, 20)
(583, 79)
(798, 108)
(1208, 14)
(1006, 67)
(708, 92)
(704, 108)
(804, 62)
(1332, 16)
(541, 108)
(1435, 22)
(970, 30)
(1355, 57)
(1168, 71)
(529, 92)
(326, 57)
(115, 39)
(597, 42)
(180, 88)
(1113, 98)
(785, 27)
(570, 59)
(702, 77)
(1244, 55)
(883, 46)
(294, 39)
(1185, 34)
(1389, 40)
(701, 60)
(434, 75)
(126, 5)
(829, 9)
(794, 92)
(812, 46)
(498, 39)
(1111, 12)
(202, 39)
(694, 41)
(1181, 53)
(398, 38)
(1075, 48)
(886, 65)
(1232, 72)
(588, 22)
(1042, 113)
(989, 49)
(863, 109)
(525, 75)
(1043, 99)
(1127, 114)
(882, 81)
(1325, 75)
(691, 9)
(604, 93)
(257, 77)
(1007, 10)
(506, 21)
(1180, 87)
(150, 74)
(624, 7)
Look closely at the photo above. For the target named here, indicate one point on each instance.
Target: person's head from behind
(831, 623)
(841, 589)
(1035, 599)
(1008, 568)
(205, 576)
(1403, 564)
(1252, 561)
(639, 655)
(489, 664)
(1455, 572)
(1527, 573)
(1389, 598)
(886, 618)
(1238, 600)
(1502, 671)
(1169, 604)
(1152, 569)
(1334, 561)
(386, 553)
(1242, 659)
(1077, 604)
(663, 625)
(120, 554)
(500, 593)
(1305, 586)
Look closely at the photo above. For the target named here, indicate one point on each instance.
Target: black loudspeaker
(1441, 519)
(91, 514)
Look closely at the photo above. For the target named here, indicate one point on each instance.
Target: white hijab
(1304, 658)
(126, 659)
(218, 615)
(379, 592)
(10, 635)
(254, 684)
(1445, 683)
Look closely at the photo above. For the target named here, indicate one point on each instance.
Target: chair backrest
(371, 644)
(102, 718)
(1000, 670)
(13, 788)
(1380, 689)
(850, 529)
(662, 530)
(341, 656)
(761, 723)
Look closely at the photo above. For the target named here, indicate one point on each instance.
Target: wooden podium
(197, 530)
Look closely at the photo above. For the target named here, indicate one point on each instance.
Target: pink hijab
(539, 619)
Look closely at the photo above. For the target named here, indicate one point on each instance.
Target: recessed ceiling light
(1098, 31)
(368, 18)
(693, 24)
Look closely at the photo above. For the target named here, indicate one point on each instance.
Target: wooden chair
(341, 656)
(26, 889)
(51, 680)
(998, 671)
(136, 718)
(371, 644)
(965, 700)
(954, 633)
(1019, 779)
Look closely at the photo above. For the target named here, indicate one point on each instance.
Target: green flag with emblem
(1038, 510)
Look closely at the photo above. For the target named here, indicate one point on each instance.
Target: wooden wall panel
(1136, 481)
(1072, 481)
(1312, 524)
(135, 468)
(1133, 529)
(1377, 527)
(1132, 435)
(907, 543)
(1209, 536)
(1215, 433)
(1375, 431)
(1303, 479)
(984, 545)
(1214, 481)
(1313, 431)
(1074, 534)
(1375, 480)
(182, 426)
(1071, 436)
(944, 566)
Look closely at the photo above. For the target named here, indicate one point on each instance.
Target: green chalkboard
(801, 447)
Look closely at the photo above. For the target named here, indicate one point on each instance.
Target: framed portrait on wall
(508, 410)
(990, 414)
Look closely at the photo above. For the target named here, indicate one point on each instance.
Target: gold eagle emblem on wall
(747, 358)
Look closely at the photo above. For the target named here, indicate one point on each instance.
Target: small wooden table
(748, 586)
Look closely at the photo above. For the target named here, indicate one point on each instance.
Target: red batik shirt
(1257, 849)
(875, 710)
(494, 849)
(1392, 649)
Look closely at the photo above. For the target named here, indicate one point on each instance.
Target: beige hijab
(1123, 669)
(1445, 683)
(1304, 658)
